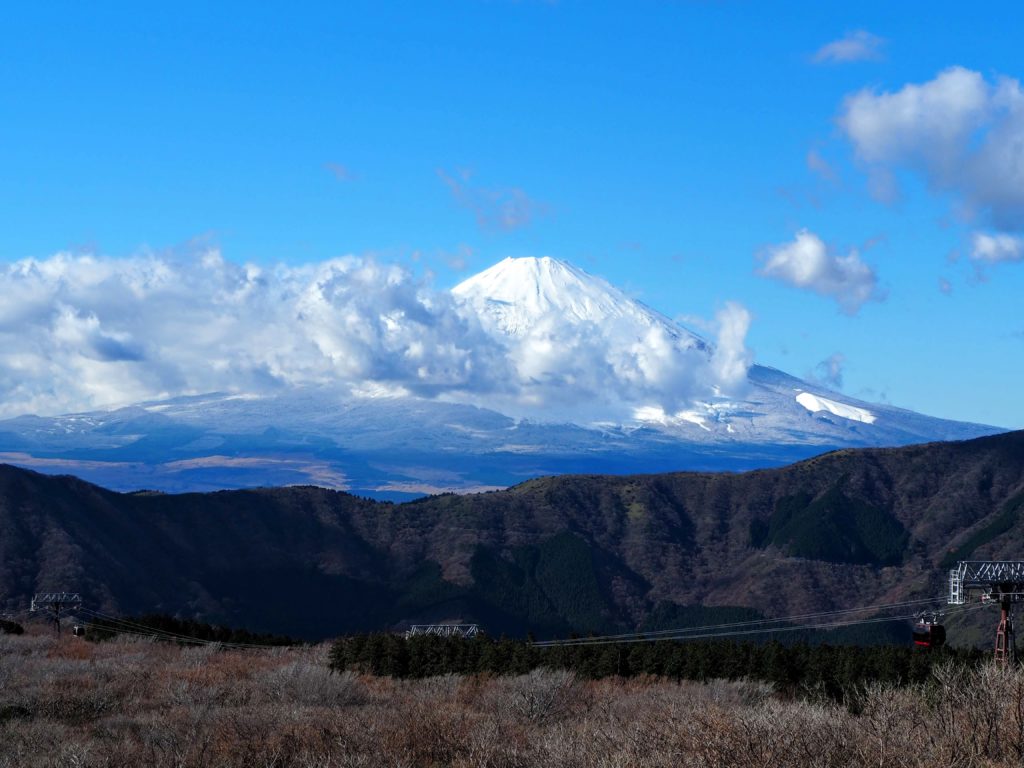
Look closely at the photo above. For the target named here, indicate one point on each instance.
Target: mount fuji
(582, 378)
(726, 402)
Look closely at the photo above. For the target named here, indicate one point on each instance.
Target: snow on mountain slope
(816, 404)
(518, 299)
(514, 295)
(581, 347)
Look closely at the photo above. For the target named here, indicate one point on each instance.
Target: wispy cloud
(858, 45)
(809, 264)
(829, 372)
(459, 259)
(340, 172)
(502, 209)
(818, 165)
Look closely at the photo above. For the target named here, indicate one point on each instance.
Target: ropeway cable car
(928, 632)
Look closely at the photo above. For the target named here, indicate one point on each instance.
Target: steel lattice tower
(55, 602)
(999, 581)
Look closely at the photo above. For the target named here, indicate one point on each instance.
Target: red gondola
(929, 634)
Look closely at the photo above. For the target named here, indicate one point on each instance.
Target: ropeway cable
(180, 639)
(126, 626)
(764, 630)
(736, 633)
(749, 622)
(130, 627)
(640, 638)
(117, 626)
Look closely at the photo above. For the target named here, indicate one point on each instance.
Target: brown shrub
(133, 702)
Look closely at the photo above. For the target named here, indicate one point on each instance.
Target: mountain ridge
(551, 555)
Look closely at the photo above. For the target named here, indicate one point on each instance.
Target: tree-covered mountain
(552, 555)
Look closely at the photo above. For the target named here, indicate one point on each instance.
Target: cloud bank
(585, 370)
(81, 332)
(961, 133)
(807, 263)
(78, 332)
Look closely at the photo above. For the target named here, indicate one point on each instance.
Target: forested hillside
(553, 555)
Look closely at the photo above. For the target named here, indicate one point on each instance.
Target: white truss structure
(465, 631)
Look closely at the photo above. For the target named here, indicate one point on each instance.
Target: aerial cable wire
(736, 633)
(724, 634)
(181, 640)
(753, 622)
(139, 627)
(175, 636)
(123, 625)
(110, 624)
(147, 635)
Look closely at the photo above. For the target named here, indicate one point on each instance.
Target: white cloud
(990, 248)
(962, 134)
(581, 370)
(80, 332)
(807, 263)
(859, 45)
(732, 359)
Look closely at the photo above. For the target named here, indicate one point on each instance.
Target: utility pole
(55, 602)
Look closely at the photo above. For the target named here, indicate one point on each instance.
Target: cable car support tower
(999, 581)
(54, 603)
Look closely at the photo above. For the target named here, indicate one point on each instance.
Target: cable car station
(999, 581)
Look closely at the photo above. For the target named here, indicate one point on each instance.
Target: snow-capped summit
(516, 293)
(560, 324)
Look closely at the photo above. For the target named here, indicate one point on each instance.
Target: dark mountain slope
(554, 554)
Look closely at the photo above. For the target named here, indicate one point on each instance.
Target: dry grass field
(133, 702)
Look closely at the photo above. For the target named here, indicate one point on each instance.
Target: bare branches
(131, 702)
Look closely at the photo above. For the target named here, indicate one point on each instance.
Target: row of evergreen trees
(830, 669)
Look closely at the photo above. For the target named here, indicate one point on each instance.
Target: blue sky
(671, 147)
